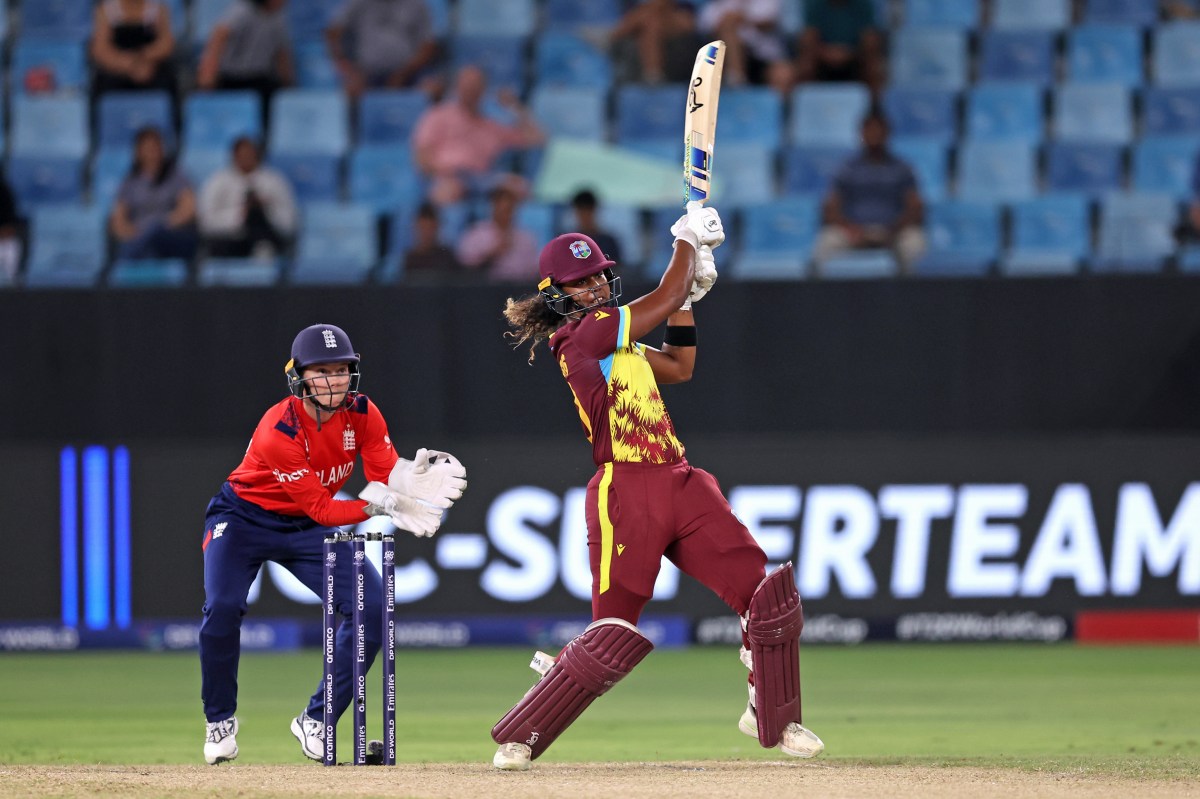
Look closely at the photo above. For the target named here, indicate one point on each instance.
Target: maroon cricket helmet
(570, 257)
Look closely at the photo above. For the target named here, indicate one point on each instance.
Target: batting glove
(431, 476)
(705, 274)
(417, 517)
(701, 225)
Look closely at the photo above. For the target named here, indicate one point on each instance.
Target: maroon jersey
(292, 469)
(615, 391)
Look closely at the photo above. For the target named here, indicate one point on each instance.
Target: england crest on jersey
(348, 440)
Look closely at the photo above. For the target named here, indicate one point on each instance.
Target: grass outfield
(1130, 711)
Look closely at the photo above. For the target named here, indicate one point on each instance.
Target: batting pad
(586, 668)
(773, 626)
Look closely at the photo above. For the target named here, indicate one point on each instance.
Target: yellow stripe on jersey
(606, 528)
(623, 328)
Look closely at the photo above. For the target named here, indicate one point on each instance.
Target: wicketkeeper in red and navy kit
(645, 500)
(278, 505)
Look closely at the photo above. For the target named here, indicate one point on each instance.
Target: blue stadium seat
(108, 170)
(808, 170)
(383, 177)
(964, 238)
(148, 273)
(1091, 169)
(746, 175)
(237, 273)
(205, 15)
(495, 17)
(751, 115)
(1177, 54)
(502, 58)
(650, 113)
(315, 178)
(120, 115)
(1093, 112)
(576, 14)
(66, 61)
(827, 115)
(177, 9)
(314, 68)
(565, 59)
(1121, 12)
(777, 239)
(307, 19)
(1105, 54)
(67, 247)
(337, 245)
(1051, 234)
(389, 116)
(200, 163)
(537, 219)
(49, 126)
(309, 121)
(1005, 111)
(997, 171)
(869, 264)
(1137, 232)
(212, 120)
(1170, 111)
(576, 113)
(1028, 15)
(958, 14)
(1165, 165)
(439, 17)
(1026, 56)
(37, 181)
(931, 113)
(928, 159)
(929, 58)
(56, 19)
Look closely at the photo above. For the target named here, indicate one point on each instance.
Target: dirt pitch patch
(724, 779)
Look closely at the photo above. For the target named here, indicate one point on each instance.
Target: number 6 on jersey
(700, 121)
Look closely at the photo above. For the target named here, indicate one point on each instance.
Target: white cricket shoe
(513, 757)
(220, 743)
(311, 735)
(796, 740)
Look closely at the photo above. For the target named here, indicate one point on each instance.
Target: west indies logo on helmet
(571, 257)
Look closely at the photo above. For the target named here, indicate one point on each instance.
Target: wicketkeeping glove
(431, 476)
(701, 225)
(705, 274)
(417, 517)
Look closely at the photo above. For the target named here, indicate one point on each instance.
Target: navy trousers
(239, 537)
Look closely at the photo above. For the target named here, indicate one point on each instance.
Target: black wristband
(681, 336)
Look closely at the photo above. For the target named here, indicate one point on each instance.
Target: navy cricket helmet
(315, 345)
(568, 258)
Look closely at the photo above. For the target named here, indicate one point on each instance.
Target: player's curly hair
(532, 320)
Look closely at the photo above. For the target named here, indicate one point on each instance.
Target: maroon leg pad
(773, 626)
(586, 668)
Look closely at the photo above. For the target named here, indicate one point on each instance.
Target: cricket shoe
(513, 757)
(220, 744)
(311, 735)
(795, 740)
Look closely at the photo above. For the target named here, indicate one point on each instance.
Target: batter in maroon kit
(645, 500)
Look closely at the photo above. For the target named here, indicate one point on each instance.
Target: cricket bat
(700, 121)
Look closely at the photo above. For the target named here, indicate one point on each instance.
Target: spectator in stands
(247, 209)
(249, 48)
(496, 245)
(840, 42)
(381, 43)
(10, 233)
(755, 51)
(873, 202)
(586, 208)
(428, 259)
(655, 41)
(131, 46)
(154, 215)
(456, 145)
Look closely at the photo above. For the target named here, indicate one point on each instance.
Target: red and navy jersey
(292, 469)
(615, 391)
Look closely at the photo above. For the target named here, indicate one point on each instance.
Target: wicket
(358, 621)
